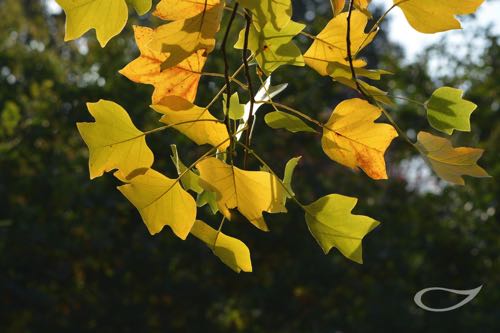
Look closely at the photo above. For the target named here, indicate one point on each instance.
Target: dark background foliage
(75, 256)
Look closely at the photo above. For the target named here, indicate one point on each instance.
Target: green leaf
(448, 111)
(272, 47)
(210, 198)
(287, 177)
(231, 251)
(278, 119)
(236, 110)
(189, 179)
(332, 225)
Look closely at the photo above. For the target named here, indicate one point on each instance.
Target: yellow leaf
(331, 223)
(172, 10)
(161, 201)
(330, 45)
(113, 140)
(351, 137)
(198, 124)
(431, 16)
(107, 17)
(180, 80)
(338, 6)
(231, 251)
(362, 5)
(180, 39)
(251, 192)
(275, 12)
(450, 163)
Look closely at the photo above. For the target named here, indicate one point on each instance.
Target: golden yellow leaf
(198, 123)
(231, 251)
(431, 16)
(251, 192)
(180, 39)
(338, 6)
(180, 80)
(113, 140)
(161, 201)
(330, 45)
(450, 163)
(275, 12)
(172, 10)
(351, 137)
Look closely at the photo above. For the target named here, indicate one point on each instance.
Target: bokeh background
(76, 257)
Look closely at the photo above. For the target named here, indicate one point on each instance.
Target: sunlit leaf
(113, 140)
(287, 177)
(448, 111)
(172, 10)
(189, 179)
(275, 12)
(251, 192)
(448, 162)
(332, 225)
(431, 16)
(278, 119)
(195, 122)
(231, 251)
(161, 201)
(236, 110)
(352, 138)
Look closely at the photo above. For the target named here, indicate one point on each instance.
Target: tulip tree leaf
(448, 162)
(231, 251)
(448, 111)
(332, 225)
(278, 119)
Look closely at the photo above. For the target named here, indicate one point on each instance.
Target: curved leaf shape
(351, 138)
(113, 141)
(251, 192)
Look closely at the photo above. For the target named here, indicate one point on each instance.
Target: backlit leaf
(332, 225)
(231, 251)
(330, 45)
(276, 12)
(180, 80)
(195, 122)
(287, 177)
(431, 16)
(236, 110)
(172, 10)
(161, 201)
(113, 140)
(141, 6)
(189, 179)
(351, 137)
(448, 111)
(278, 119)
(274, 48)
(450, 163)
(251, 192)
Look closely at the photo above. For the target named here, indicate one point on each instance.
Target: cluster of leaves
(172, 58)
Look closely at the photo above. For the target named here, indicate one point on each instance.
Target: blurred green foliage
(75, 256)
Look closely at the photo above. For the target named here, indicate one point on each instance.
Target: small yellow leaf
(180, 80)
(161, 201)
(180, 39)
(330, 45)
(332, 225)
(231, 251)
(195, 122)
(338, 6)
(431, 16)
(450, 163)
(172, 10)
(251, 192)
(351, 138)
(113, 140)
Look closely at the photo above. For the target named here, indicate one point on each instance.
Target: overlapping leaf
(331, 223)
(351, 138)
(251, 192)
(195, 122)
(180, 80)
(275, 12)
(113, 140)
(172, 10)
(231, 251)
(448, 162)
(448, 111)
(107, 17)
(431, 16)
(272, 47)
(330, 45)
(161, 201)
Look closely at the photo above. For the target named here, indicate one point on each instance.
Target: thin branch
(248, 25)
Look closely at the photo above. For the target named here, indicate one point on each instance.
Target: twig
(248, 25)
